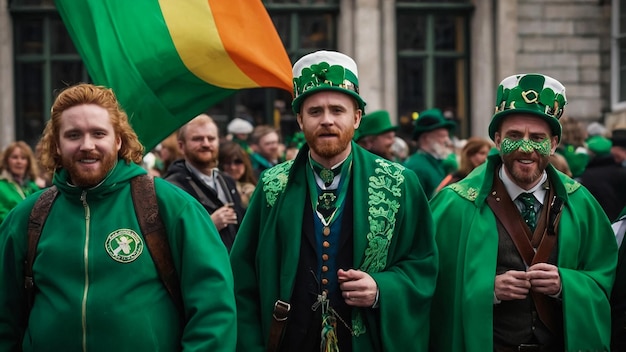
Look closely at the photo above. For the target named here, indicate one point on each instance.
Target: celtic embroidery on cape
(383, 203)
(275, 181)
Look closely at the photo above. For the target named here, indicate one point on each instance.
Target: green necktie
(528, 211)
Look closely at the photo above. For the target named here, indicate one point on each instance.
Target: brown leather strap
(507, 213)
(279, 321)
(153, 230)
(36, 219)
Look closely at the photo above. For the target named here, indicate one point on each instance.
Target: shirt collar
(209, 180)
(514, 190)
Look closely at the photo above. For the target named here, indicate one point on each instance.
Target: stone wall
(570, 41)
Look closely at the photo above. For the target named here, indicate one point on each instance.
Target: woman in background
(473, 154)
(234, 161)
(18, 173)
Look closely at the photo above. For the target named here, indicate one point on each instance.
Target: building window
(433, 60)
(303, 26)
(618, 56)
(45, 62)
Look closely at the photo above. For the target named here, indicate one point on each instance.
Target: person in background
(97, 287)
(18, 175)
(432, 133)
(293, 145)
(527, 256)
(170, 152)
(560, 163)
(474, 153)
(399, 149)
(376, 134)
(572, 145)
(239, 132)
(605, 177)
(198, 175)
(234, 161)
(338, 241)
(265, 142)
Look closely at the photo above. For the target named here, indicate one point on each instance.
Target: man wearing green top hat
(336, 251)
(527, 256)
(376, 133)
(432, 133)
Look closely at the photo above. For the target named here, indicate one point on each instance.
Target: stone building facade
(570, 40)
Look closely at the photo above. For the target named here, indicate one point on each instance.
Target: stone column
(7, 108)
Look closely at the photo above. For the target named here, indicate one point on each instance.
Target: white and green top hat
(530, 93)
(325, 70)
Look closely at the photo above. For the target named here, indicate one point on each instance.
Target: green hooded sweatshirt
(97, 286)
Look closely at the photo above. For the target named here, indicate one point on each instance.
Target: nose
(88, 143)
(327, 118)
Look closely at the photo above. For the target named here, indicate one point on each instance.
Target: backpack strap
(150, 222)
(153, 230)
(37, 218)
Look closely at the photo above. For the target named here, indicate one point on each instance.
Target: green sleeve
(201, 260)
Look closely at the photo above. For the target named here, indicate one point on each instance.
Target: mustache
(89, 155)
(325, 130)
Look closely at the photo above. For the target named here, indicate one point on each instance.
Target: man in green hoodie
(97, 288)
(338, 241)
(527, 256)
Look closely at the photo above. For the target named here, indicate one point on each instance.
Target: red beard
(328, 148)
(91, 177)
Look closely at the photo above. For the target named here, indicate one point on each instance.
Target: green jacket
(467, 239)
(429, 170)
(393, 242)
(11, 193)
(99, 291)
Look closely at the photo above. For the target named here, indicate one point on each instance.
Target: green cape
(462, 312)
(390, 210)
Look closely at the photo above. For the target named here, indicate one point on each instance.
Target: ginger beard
(87, 169)
(328, 147)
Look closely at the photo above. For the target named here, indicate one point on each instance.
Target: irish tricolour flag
(169, 60)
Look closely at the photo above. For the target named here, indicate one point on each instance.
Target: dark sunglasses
(234, 162)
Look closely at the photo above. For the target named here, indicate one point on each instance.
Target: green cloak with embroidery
(462, 312)
(429, 171)
(393, 241)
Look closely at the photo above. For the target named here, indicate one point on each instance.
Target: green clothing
(467, 239)
(393, 242)
(576, 161)
(97, 291)
(12, 193)
(430, 171)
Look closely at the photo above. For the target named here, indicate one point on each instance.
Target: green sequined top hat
(599, 145)
(325, 70)
(374, 123)
(530, 93)
(430, 120)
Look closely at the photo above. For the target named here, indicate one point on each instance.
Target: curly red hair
(81, 94)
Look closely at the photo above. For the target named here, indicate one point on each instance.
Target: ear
(497, 139)
(358, 114)
(554, 141)
(299, 119)
(118, 143)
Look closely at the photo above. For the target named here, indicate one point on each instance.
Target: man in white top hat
(337, 243)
